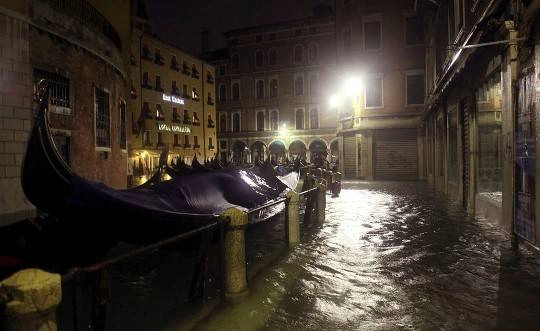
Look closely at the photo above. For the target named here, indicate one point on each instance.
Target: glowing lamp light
(284, 131)
(334, 101)
(352, 86)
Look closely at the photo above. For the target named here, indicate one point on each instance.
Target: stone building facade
(380, 48)
(79, 52)
(479, 134)
(273, 83)
(173, 105)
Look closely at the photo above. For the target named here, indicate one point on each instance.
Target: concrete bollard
(321, 203)
(293, 219)
(32, 297)
(235, 253)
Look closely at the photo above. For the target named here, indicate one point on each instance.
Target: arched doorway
(297, 149)
(318, 152)
(239, 149)
(258, 151)
(277, 151)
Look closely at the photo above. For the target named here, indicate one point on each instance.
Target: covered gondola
(94, 216)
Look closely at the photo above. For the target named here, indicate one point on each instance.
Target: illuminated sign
(173, 99)
(173, 128)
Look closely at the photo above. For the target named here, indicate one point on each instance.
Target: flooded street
(393, 256)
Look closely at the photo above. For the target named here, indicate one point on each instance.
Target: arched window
(312, 52)
(222, 122)
(273, 88)
(299, 119)
(260, 121)
(222, 92)
(235, 61)
(314, 118)
(259, 89)
(258, 58)
(236, 122)
(272, 57)
(299, 85)
(235, 91)
(274, 121)
(313, 85)
(298, 54)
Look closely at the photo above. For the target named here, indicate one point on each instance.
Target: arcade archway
(258, 151)
(277, 151)
(318, 152)
(297, 149)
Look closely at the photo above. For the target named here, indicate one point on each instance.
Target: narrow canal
(393, 256)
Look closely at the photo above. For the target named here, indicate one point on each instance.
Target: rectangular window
(103, 122)
(210, 143)
(160, 138)
(195, 141)
(223, 144)
(374, 92)
(372, 34)
(176, 139)
(123, 144)
(415, 89)
(159, 112)
(58, 87)
(145, 80)
(158, 83)
(414, 30)
(186, 141)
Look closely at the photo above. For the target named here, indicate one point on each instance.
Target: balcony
(187, 120)
(185, 70)
(175, 66)
(175, 91)
(196, 122)
(211, 147)
(159, 88)
(160, 118)
(211, 124)
(196, 146)
(210, 101)
(147, 84)
(187, 145)
(158, 59)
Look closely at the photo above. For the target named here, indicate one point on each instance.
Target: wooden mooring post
(293, 218)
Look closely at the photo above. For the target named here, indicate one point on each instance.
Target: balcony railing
(88, 15)
(196, 146)
(211, 147)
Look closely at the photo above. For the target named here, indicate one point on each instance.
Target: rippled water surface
(393, 256)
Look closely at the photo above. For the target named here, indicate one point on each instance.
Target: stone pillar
(293, 219)
(235, 252)
(321, 203)
(33, 296)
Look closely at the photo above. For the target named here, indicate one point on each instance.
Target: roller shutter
(395, 154)
(349, 155)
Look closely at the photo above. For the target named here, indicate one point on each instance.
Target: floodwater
(393, 256)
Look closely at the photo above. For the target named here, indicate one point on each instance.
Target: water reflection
(394, 256)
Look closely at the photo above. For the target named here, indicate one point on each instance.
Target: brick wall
(15, 115)
(85, 72)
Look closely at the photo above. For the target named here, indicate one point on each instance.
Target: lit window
(159, 112)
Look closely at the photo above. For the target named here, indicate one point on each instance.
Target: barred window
(103, 124)
(123, 125)
(58, 87)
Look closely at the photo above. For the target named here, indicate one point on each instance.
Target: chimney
(205, 41)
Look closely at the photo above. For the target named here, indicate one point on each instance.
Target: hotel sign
(173, 128)
(173, 99)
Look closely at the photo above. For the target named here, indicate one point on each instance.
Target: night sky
(180, 22)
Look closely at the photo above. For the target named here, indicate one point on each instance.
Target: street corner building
(79, 48)
(272, 86)
(380, 88)
(173, 103)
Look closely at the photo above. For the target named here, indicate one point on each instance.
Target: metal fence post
(31, 297)
(235, 273)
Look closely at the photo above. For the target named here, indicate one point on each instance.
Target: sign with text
(173, 99)
(173, 128)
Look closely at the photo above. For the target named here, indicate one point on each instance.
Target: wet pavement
(393, 256)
